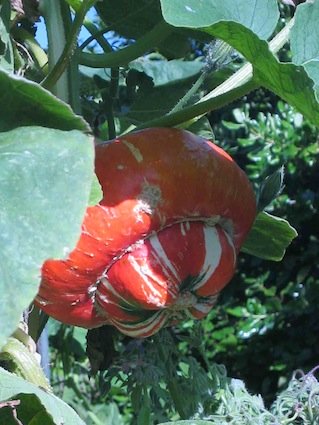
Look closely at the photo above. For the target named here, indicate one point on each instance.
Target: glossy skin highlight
(163, 241)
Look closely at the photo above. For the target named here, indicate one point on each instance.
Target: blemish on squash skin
(150, 195)
(147, 201)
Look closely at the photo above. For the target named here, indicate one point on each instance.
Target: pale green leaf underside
(305, 40)
(60, 411)
(163, 72)
(269, 237)
(261, 16)
(289, 81)
(96, 193)
(45, 181)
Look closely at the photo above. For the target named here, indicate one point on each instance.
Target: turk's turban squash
(163, 241)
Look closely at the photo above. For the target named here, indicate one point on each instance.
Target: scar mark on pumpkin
(134, 151)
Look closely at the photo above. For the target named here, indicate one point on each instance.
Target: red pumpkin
(163, 241)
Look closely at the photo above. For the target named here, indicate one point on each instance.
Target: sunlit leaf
(45, 180)
(305, 40)
(246, 30)
(34, 401)
(269, 237)
(259, 16)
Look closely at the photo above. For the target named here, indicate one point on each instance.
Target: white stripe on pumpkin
(150, 280)
(109, 287)
(162, 258)
(143, 328)
(213, 253)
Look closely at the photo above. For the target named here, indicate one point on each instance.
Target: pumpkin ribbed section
(179, 270)
(163, 241)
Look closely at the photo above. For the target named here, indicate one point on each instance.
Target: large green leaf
(140, 16)
(305, 40)
(261, 16)
(269, 237)
(289, 81)
(23, 102)
(157, 101)
(35, 403)
(45, 181)
(29, 410)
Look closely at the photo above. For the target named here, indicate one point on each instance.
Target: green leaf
(304, 40)
(287, 80)
(29, 410)
(105, 414)
(23, 102)
(34, 400)
(45, 181)
(269, 237)
(140, 16)
(164, 72)
(270, 188)
(96, 193)
(202, 127)
(157, 101)
(258, 15)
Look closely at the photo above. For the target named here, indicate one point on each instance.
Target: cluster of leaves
(265, 324)
(169, 377)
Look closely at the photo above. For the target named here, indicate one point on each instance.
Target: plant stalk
(97, 35)
(235, 87)
(244, 74)
(123, 56)
(69, 48)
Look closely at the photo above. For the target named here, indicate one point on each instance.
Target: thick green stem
(109, 102)
(123, 56)
(236, 86)
(52, 14)
(69, 47)
(200, 108)
(72, 70)
(97, 35)
(185, 99)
